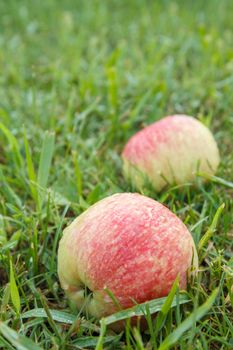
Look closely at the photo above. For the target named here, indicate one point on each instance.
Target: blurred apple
(170, 151)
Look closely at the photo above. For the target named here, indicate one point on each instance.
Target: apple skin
(131, 245)
(170, 151)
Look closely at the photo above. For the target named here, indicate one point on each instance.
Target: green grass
(78, 78)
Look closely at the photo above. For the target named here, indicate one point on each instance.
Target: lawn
(78, 78)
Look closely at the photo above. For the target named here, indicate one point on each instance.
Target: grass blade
(100, 343)
(78, 174)
(209, 233)
(91, 342)
(20, 342)
(30, 168)
(150, 327)
(114, 299)
(140, 309)
(46, 159)
(4, 342)
(10, 194)
(112, 87)
(160, 319)
(196, 315)
(5, 301)
(59, 316)
(138, 339)
(50, 318)
(14, 290)
(3, 236)
(14, 146)
(217, 180)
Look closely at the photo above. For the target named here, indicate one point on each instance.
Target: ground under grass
(78, 78)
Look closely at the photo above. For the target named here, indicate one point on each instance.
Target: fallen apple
(170, 151)
(126, 244)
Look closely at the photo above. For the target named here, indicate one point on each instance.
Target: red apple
(170, 151)
(128, 243)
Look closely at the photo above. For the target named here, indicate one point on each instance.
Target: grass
(78, 78)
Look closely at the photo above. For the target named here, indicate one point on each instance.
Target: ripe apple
(170, 151)
(131, 245)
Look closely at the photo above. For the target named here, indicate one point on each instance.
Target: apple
(170, 151)
(128, 244)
